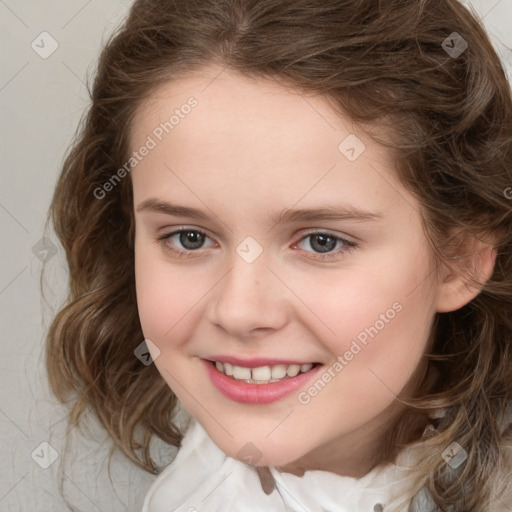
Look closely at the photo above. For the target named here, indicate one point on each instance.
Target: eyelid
(330, 256)
(182, 253)
(304, 233)
(178, 229)
(347, 246)
(325, 231)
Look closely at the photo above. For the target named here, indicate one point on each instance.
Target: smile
(259, 383)
(262, 374)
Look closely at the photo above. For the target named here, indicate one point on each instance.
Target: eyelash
(348, 246)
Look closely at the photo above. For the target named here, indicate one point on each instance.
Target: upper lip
(256, 362)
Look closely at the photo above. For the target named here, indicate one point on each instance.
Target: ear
(462, 282)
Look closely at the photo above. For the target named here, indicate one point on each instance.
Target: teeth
(241, 373)
(293, 370)
(262, 374)
(278, 371)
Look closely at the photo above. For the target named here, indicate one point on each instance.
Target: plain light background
(42, 100)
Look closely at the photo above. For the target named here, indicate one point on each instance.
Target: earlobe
(464, 281)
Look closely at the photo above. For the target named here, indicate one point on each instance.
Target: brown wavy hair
(383, 63)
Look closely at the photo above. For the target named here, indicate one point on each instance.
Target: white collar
(203, 478)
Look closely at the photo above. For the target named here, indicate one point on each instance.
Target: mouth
(254, 382)
(265, 374)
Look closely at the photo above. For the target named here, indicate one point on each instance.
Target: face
(272, 235)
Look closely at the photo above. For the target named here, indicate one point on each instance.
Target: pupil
(191, 239)
(323, 243)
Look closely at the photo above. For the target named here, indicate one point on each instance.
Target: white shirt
(202, 478)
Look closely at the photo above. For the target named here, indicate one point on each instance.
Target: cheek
(377, 321)
(166, 294)
(361, 302)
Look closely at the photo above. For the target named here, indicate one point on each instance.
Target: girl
(288, 229)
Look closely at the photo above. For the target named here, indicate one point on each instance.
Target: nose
(250, 300)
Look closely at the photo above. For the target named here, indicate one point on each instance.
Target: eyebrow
(287, 215)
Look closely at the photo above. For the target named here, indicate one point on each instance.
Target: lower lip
(241, 391)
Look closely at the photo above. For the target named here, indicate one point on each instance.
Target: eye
(326, 245)
(187, 242)
(190, 240)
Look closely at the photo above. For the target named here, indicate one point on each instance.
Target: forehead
(246, 109)
(256, 138)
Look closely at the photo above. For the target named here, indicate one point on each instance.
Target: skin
(248, 149)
